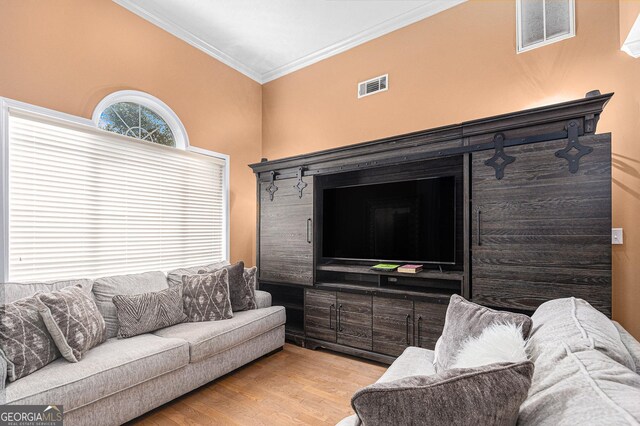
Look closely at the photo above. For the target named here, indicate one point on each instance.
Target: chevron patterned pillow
(145, 312)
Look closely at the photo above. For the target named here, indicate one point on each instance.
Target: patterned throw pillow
(142, 313)
(250, 283)
(25, 343)
(206, 296)
(243, 297)
(73, 320)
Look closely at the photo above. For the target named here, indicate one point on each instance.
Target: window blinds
(87, 203)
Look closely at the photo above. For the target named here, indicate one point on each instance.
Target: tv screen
(409, 221)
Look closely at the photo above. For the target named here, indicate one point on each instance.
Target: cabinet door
(354, 320)
(392, 325)
(541, 232)
(429, 322)
(320, 315)
(286, 233)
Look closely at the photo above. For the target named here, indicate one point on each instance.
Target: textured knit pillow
(142, 313)
(206, 296)
(242, 295)
(73, 320)
(486, 395)
(464, 320)
(25, 342)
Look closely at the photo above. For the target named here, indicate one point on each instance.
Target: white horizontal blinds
(88, 203)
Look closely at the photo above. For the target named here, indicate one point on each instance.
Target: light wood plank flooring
(291, 387)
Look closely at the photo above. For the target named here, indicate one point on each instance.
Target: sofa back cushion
(175, 277)
(581, 387)
(105, 288)
(580, 326)
(10, 292)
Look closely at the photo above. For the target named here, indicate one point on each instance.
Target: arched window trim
(151, 102)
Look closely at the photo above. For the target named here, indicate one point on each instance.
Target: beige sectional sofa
(586, 369)
(124, 378)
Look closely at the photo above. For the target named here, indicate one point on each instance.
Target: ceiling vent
(374, 85)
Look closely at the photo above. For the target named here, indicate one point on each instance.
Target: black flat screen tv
(409, 221)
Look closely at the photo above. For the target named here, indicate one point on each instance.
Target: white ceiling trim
(376, 31)
(400, 21)
(187, 36)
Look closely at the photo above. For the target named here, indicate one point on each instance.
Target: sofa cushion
(10, 292)
(489, 394)
(582, 387)
(210, 338)
(580, 326)
(466, 319)
(175, 277)
(413, 362)
(142, 313)
(105, 288)
(115, 365)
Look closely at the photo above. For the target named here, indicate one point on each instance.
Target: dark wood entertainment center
(533, 223)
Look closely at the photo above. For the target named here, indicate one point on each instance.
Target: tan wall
(460, 65)
(629, 11)
(68, 54)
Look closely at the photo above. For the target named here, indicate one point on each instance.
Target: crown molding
(390, 25)
(187, 36)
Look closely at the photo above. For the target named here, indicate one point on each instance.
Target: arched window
(141, 116)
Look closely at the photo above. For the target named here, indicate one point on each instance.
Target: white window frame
(151, 102)
(546, 41)
(6, 104)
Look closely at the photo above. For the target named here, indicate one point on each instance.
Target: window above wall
(542, 22)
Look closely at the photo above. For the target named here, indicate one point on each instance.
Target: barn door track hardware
(500, 160)
(272, 188)
(574, 150)
(300, 185)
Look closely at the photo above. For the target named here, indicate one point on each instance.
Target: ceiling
(268, 39)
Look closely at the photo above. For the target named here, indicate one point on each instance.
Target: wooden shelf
(364, 269)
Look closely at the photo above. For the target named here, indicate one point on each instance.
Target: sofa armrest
(263, 299)
(632, 345)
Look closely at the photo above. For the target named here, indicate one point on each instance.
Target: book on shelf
(410, 269)
(385, 267)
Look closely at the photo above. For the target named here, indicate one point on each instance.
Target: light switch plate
(616, 235)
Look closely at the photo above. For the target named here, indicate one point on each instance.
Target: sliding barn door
(542, 232)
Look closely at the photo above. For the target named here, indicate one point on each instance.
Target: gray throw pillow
(73, 320)
(142, 313)
(486, 395)
(243, 297)
(206, 296)
(250, 282)
(465, 320)
(25, 342)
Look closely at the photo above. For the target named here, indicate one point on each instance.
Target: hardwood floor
(292, 387)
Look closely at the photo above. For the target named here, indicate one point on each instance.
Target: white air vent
(374, 85)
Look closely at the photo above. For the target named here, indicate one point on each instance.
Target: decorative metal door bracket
(272, 188)
(500, 160)
(574, 150)
(300, 185)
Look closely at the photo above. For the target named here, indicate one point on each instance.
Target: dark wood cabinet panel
(320, 315)
(354, 320)
(286, 233)
(429, 322)
(392, 325)
(542, 232)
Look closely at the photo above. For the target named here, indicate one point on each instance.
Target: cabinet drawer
(320, 315)
(392, 325)
(429, 322)
(354, 320)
